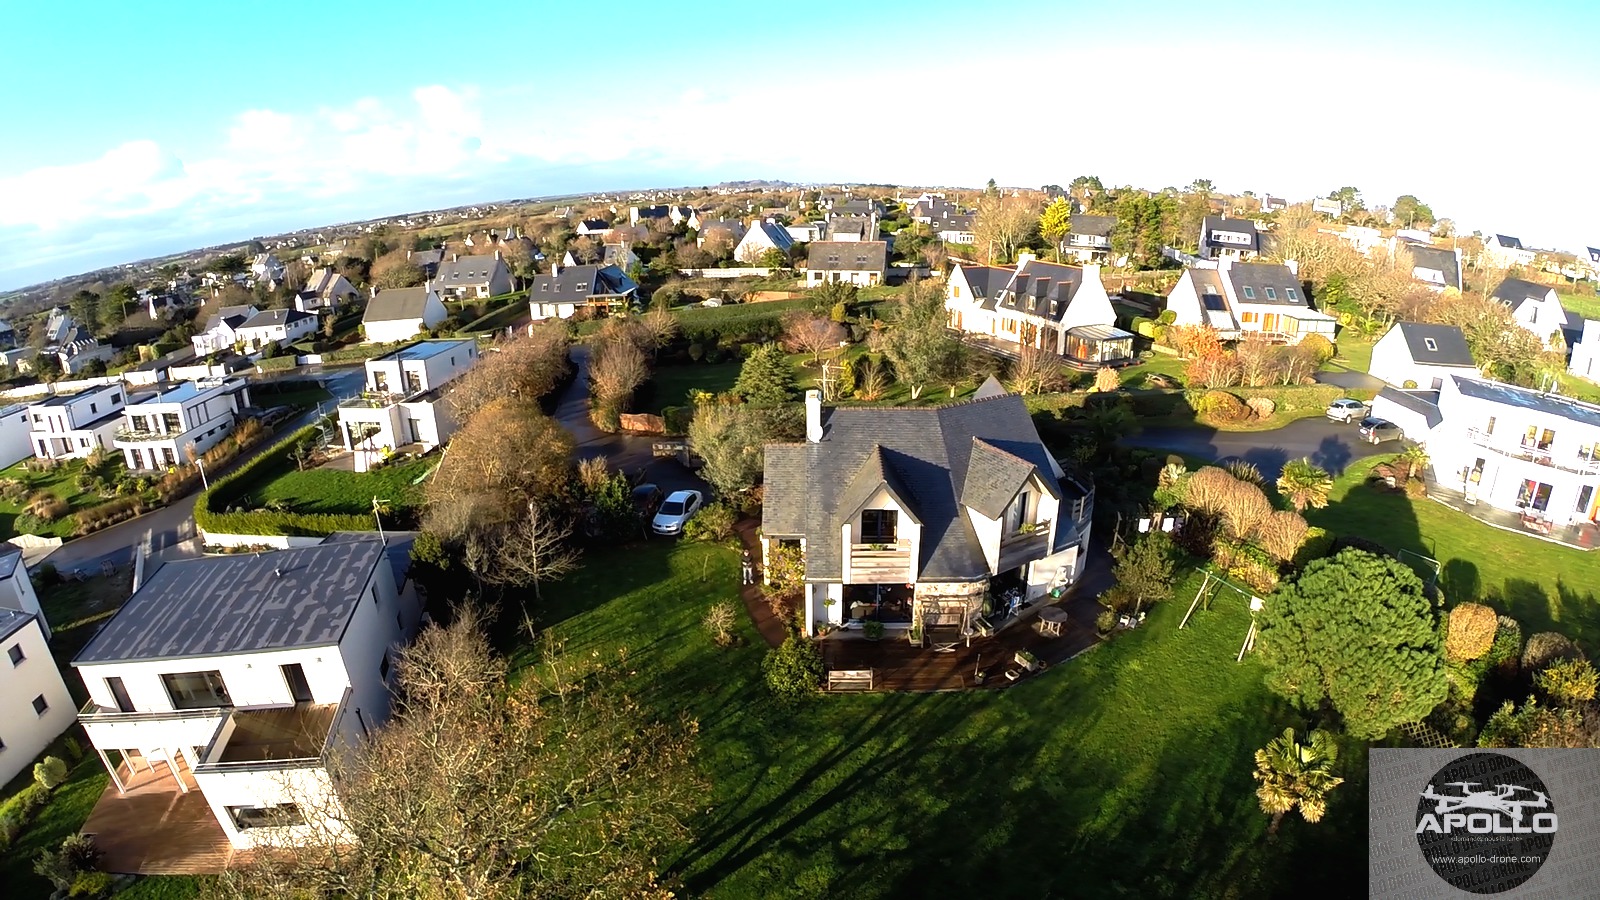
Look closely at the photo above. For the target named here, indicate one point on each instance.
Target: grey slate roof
(1451, 344)
(232, 316)
(10, 557)
(269, 318)
(1527, 398)
(1261, 276)
(1098, 226)
(1594, 254)
(576, 284)
(847, 256)
(397, 304)
(1442, 259)
(1050, 288)
(985, 281)
(1424, 403)
(224, 605)
(933, 454)
(1514, 292)
(1237, 226)
(993, 478)
(11, 622)
(1508, 241)
(473, 270)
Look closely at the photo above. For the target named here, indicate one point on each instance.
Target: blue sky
(136, 135)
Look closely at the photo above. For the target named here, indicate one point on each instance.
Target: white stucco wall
(24, 731)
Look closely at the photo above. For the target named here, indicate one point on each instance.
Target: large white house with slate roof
(276, 326)
(861, 263)
(472, 277)
(1062, 309)
(1412, 355)
(240, 676)
(1535, 307)
(1225, 238)
(916, 516)
(1240, 299)
(567, 289)
(1436, 267)
(222, 331)
(1089, 238)
(1504, 251)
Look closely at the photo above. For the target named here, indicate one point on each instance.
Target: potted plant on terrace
(872, 630)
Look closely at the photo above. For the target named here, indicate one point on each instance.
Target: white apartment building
(71, 426)
(160, 428)
(34, 704)
(16, 435)
(401, 406)
(1507, 447)
(241, 675)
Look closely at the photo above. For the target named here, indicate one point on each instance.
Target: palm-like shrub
(1304, 484)
(1291, 775)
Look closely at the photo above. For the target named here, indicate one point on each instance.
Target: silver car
(1347, 410)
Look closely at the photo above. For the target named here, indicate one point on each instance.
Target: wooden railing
(880, 562)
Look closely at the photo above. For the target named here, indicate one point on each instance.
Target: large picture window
(247, 817)
(879, 526)
(196, 690)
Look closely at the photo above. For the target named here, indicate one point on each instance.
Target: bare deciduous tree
(1003, 224)
(506, 454)
(533, 548)
(525, 367)
(815, 335)
(555, 784)
(394, 270)
(1037, 372)
(616, 370)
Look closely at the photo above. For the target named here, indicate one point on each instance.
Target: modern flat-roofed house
(1241, 299)
(1225, 238)
(1436, 267)
(400, 314)
(1062, 309)
(861, 263)
(472, 277)
(763, 235)
(172, 425)
(1089, 239)
(238, 677)
(1504, 251)
(222, 331)
(72, 426)
(913, 516)
(16, 435)
(1412, 355)
(1535, 307)
(1510, 448)
(567, 289)
(281, 327)
(34, 704)
(403, 406)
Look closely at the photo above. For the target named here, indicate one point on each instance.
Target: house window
(1490, 429)
(16, 654)
(247, 817)
(1272, 294)
(383, 667)
(1289, 292)
(41, 705)
(1249, 292)
(196, 690)
(1249, 318)
(879, 526)
(1431, 344)
(1585, 494)
(94, 407)
(1016, 514)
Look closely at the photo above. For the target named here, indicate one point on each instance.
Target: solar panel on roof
(1213, 301)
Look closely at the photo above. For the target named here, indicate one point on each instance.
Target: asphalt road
(630, 454)
(1331, 445)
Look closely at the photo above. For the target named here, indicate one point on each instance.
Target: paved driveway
(1331, 445)
(1350, 380)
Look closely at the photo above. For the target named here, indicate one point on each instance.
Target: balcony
(132, 436)
(1579, 465)
(282, 737)
(92, 713)
(1023, 547)
(882, 563)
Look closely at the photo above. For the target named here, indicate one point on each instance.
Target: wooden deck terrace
(289, 732)
(897, 665)
(155, 828)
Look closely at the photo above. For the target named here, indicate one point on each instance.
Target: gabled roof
(1424, 403)
(777, 234)
(985, 281)
(955, 222)
(595, 225)
(1235, 226)
(847, 256)
(1449, 345)
(244, 603)
(1594, 254)
(993, 478)
(876, 472)
(271, 318)
(1439, 259)
(1097, 226)
(231, 316)
(932, 453)
(397, 305)
(469, 270)
(1040, 289)
(1514, 292)
(576, 284)
(1507, 241)
(1269, 283)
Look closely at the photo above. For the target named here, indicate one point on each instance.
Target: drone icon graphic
(1493, 801)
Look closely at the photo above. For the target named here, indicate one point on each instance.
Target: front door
(295, 676)
(1534, 495)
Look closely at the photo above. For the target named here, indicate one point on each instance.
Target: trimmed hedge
(276, 363)
(211, 507)
(364, 352)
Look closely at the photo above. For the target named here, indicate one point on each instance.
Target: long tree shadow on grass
(1572, 611)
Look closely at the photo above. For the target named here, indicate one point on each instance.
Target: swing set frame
(1210, 588)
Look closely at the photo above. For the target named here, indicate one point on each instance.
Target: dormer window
(1249, 292)
(1431, 344)
(879, 526)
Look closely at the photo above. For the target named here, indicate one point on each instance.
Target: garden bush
(1221, 406)
(1319, 347)
(92, 885)
(13, 490)
(714, 523)
(1547, 647)
(49, 772)
(720, 622)
(793, 670)
(1470, 632)
(1567, 681)
(677, 418)
(106, 514)
(1262, 407)
(46, 506)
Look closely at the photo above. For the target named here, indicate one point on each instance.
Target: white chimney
(1024, 257)
(496, 254)
(813, 416)
(408, 254)
(454, 257)
(1293, 266)
(1091, 271)
(555, 268)
(374, 290)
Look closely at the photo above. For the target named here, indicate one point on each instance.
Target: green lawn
(58, 481)
(163, 887)
(1545, 586)
(1353, 351)
(1123, 773)
(304, 399)
(673, 383)
(333, 491)
(1587, 306)
(66, 812)
(1159, 364)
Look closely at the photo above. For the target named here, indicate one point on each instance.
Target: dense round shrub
(50, 772)
(1262, 407)
(1471, 631)
(1221, 406)
(714, 523)
(793, 670)
(1320, 348)
(1547, 647)
(1567, 681)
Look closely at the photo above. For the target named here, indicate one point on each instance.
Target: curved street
(1331, 445)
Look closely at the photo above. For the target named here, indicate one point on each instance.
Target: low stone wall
(642, 423)
(739, 272)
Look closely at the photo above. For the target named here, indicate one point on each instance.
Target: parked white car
(675, 511)
(1347, 410)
